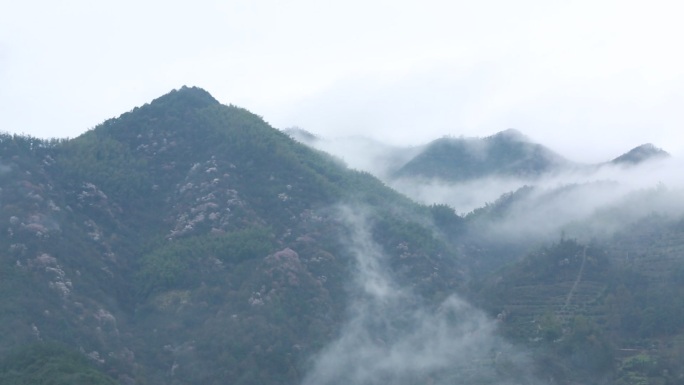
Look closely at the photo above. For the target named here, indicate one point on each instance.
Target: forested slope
(187, 241)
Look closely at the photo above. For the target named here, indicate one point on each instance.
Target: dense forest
(187, 241)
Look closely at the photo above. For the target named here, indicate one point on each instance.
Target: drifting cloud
(464, 197)
(587, 204)
(571, 197)
(394, 337)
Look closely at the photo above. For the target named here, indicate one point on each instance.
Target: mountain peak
(194, 97)
(177, 103)
(641, 154)
(510, 134)
(507, 153)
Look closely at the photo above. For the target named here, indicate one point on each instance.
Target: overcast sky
(590, 79)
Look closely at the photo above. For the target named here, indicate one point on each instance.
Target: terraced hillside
(566, 280)
(612, 303)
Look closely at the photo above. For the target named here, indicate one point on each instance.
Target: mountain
(189, 242)
(640, 154)
(506, 154)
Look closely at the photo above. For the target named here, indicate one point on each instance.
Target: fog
(463, 197)
(591, 204)
(586, 201)
(393, 336)
(360, 152)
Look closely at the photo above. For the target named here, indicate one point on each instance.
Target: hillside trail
(568, 299)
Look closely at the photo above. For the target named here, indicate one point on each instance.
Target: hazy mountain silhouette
(507, 153)
(641, 154)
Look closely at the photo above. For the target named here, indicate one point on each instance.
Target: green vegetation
(582, 306)
(106, 163)
(174, 264)
(49, 364)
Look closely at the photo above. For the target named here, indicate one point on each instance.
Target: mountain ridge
(507, 153)
(443, 158)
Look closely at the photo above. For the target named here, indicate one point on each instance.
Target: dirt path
(577, 280)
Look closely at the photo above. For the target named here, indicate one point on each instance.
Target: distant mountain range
(508, 154)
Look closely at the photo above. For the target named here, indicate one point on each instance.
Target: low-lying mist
(393, 336)
(584, 201)
(586, 204)
(360, 153)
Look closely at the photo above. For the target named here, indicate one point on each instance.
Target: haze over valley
(547, 191)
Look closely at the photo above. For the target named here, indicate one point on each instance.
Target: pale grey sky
(590, 79)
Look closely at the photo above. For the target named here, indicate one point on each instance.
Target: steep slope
(190, 242)
(506, 154)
